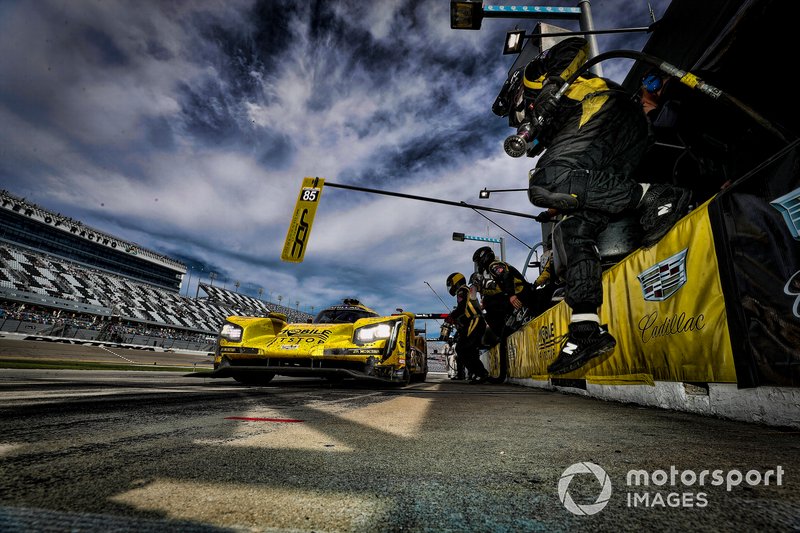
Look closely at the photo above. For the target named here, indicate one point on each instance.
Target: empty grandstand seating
(30, 272)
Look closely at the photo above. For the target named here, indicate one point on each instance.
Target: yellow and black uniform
(495, 305)
(510, 282)
(596, 125)
(470, 327)
(594, 137)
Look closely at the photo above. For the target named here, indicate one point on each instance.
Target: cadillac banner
(716, 300)
(665, 307)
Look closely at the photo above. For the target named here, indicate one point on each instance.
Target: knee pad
(573, 240)
(559, 253)
(584, 286)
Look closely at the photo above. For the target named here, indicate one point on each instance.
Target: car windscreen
(341, 316)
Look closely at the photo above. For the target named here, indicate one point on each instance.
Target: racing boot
(661, 207)
(585, 341)
(481, 379)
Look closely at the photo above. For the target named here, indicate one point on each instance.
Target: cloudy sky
(187, 127)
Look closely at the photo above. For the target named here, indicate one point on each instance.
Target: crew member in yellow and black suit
(470, 326)
(512, 292)
(594, 136)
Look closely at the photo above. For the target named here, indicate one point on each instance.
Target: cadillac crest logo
(662, 280)
(789, 206)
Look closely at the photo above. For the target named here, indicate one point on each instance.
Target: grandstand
(29, 225)
(116, 289)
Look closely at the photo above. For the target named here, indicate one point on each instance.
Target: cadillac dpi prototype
(343, 341)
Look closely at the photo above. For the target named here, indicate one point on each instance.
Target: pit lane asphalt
(156, 451)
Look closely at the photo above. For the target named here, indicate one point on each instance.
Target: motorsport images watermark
(644, 489)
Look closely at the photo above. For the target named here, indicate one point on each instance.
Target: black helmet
(483, 257)
(454, 281)
(509, 95)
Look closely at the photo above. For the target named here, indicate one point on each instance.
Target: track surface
(156, 451)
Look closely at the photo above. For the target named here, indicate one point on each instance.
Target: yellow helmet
(454, 281)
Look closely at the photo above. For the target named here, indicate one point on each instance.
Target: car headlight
(374, 332)
(231, 332)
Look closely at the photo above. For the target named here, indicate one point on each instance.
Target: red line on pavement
(251, 419)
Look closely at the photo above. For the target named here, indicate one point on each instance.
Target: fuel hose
(686, 78)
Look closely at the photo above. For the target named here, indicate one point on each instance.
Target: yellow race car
(348, 340)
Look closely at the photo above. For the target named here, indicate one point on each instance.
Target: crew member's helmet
(454, 281)
(653, 81)
(483, 257)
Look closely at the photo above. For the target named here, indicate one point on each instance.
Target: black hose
(687, 78)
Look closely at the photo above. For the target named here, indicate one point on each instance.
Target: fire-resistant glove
(546, 104)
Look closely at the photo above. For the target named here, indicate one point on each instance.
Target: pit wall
(773, 406)
(666, 308)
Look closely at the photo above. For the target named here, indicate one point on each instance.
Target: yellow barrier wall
(679, 333)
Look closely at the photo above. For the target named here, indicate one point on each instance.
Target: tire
(259, 378)
(406, 379)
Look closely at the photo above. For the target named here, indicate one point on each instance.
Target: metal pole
(593, 32)
(437, 295)
(189, 282)
(530, 254)
(428, 199)
(502, 249)
(587, 25)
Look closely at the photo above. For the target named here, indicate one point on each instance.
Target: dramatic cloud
(187, 127)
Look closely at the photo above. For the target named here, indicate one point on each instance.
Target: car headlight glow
(374, 332)
(231, 332)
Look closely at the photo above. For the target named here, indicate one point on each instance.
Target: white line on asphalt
(348, 399)
(118, 355)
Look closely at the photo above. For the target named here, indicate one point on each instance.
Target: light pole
(212, 276)
(199, 277)
(189, 280)
(460, 237)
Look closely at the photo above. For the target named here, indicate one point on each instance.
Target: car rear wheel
(405, 379)
(421, 376)
(260, 378)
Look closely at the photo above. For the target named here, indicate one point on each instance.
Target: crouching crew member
(511, 292)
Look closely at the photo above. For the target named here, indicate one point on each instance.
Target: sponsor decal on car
(320, 335)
